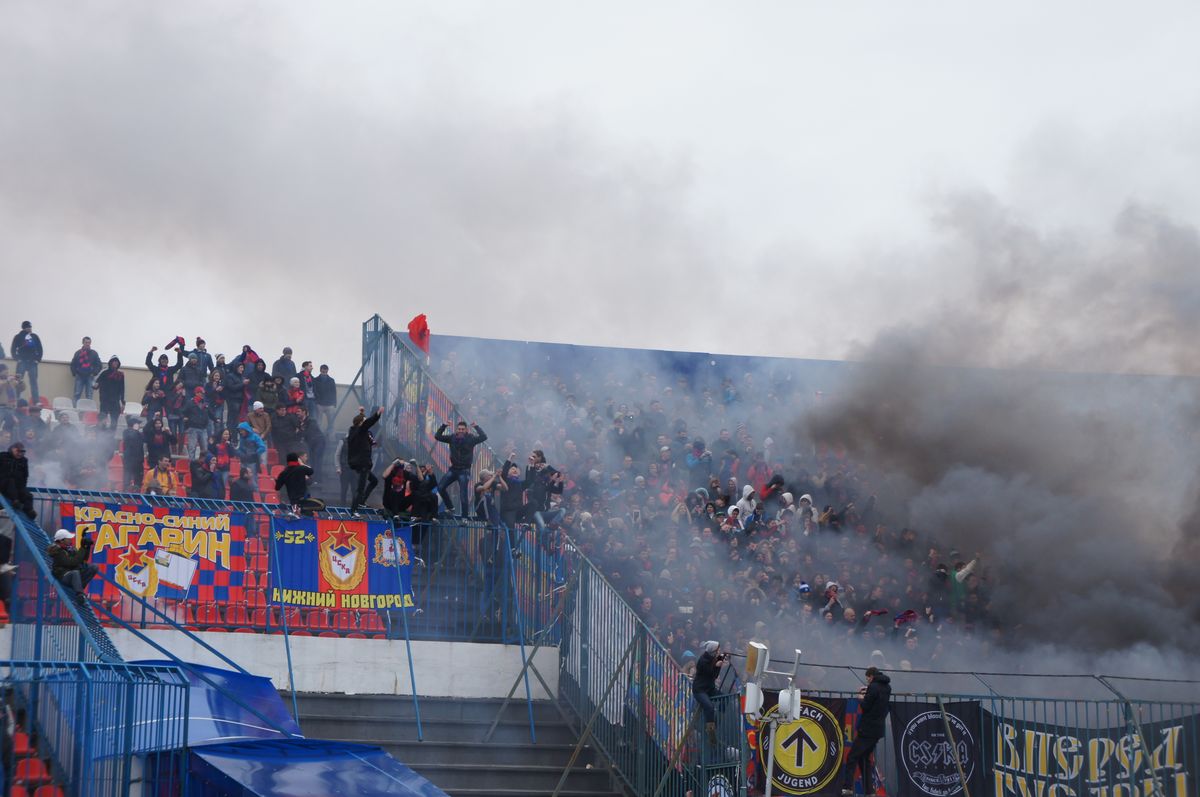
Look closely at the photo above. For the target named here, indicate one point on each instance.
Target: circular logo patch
(808, 751)
(927, 754)
(719, 786)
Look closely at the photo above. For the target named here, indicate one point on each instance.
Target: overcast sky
(752, 178)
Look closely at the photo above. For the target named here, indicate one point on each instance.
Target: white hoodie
(745, 504)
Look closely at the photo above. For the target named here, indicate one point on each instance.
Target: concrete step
(417, 754)
(391, 707)
(404, 730)
(451, 777)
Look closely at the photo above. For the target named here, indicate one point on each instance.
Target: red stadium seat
(272, 457)
(244, 631)
(258, 618)
(343, 621)
(253, 546)
(301, 632)
(90, 418)
(18, 791)
(316, 619)
(183, 466)
(356, 635)
(21, 746)
(371, 622)
(31, 772)
(48, 791)
(208, 614)
(217, 630)
(237, 615)
(250, 579)
(329, 634)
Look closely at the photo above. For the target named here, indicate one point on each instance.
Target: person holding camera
(541, 482)
(704, 685)
(462, 455)
(69, 564)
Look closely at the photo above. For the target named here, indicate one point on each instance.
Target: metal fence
(470, 588)
(90, 725)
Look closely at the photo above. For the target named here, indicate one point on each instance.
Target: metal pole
(687, 731)
(1132, 719)
(287, 644)
(587, 731)
(512, 574)
(962, 776)
(412, 675)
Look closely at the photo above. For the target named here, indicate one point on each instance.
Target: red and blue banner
(341, 564)
(159, 552)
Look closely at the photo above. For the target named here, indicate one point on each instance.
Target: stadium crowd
(713, 526)
(692, 498)
(206, 426)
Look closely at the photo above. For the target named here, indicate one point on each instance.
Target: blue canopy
(302, 768)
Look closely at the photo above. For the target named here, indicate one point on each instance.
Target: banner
(342, 564)
(156, 552)
(928, 758)
(1028, 758)
(809, 751)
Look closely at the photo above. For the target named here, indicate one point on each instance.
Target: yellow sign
(808, 751)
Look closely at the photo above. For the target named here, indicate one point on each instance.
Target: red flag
(418, 330)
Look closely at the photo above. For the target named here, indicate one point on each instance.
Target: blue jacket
(251, 448)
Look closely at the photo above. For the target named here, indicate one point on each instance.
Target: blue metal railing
(94, 721)
(468, 589)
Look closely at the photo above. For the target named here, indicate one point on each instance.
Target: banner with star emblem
(156, 552)
(342, 564)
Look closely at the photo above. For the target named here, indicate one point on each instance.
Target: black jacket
(22, 350)
(462, 447)
(358, 443)
(14, 481)
(164, 374)
(195, 416)
(326, 390)
(86, 363)
(133, 453)
(295, 479)
(241, 490)
(285, 368)
(875, 706)
(707, 671)
(111, 385)
(203, 485)
(539, 487)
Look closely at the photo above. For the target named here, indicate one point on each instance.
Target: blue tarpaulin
(301, 768)
(222, 707)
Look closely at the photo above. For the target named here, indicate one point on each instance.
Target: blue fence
(94, 722)
(470, 587)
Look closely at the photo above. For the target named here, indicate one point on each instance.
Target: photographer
(70, 565)
(487, 496)
(542, 481)
(704, 685)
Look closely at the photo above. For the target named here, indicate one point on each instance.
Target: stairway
(453, 756)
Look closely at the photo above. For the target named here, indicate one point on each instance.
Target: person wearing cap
(164, 372)
(284, 368)
(259, 420)
(191, 375)
(14, 478)
(85, 367)
(876, 698)
(26, 349)
(203, 358)
(69, 564)
(704, 685)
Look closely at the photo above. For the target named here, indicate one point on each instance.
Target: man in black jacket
(541, 482)
(704, 685)
(85, 367)
(26, 349)
(462, 454)
(14, 478)
(293, 481)
(359, 456)
(876, 697)
(326, 392)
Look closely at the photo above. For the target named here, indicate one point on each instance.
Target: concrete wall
(358, 666)
(352, 666)
(54, 379)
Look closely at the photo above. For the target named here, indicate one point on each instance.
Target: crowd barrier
(473, 582)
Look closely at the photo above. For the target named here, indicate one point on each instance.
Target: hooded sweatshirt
(745, 504)
(251, 448)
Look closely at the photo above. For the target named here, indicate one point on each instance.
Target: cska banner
(931, 747)
(342, 564)
(156, 552)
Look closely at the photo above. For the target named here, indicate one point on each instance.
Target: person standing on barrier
(26, 349)
(541, 482)
(462, 455)
(69, 564)
(359, 444)
(704, 685)
(293, 482)
(876, 698)
(512, 498)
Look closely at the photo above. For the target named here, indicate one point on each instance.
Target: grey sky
(753, 179)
